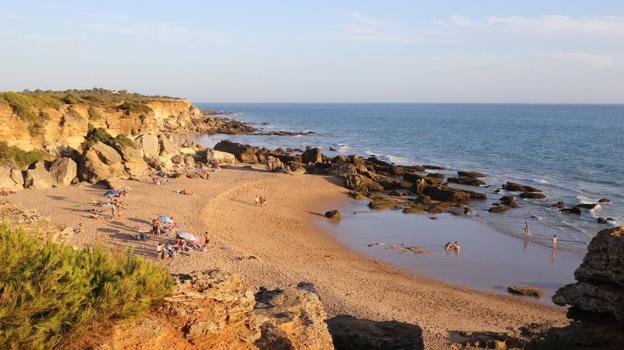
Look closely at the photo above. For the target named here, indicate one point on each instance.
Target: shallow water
(487, 261)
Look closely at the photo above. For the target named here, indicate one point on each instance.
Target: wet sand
(280, 245)
(488, 259)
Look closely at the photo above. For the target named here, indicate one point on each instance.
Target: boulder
(133, 161)
(514, 187)
(446, 194)
(532, 195)
(243, 153)
(589, 206)
(295, 167)
(509, 201)
(598, 294)
(469, 174)
(168, 149)
(499, 209)
(602, 221)
(274, 164)
(333, 214)
(361, 183)
(573, 210)
(465, 180)
(63, 170)
(38, 177)
(558, 205)
(604, 200)
(223, 157)
(149, 145)
(312, 155)
(350, 333)
(440, 207)
(11, 179)
(177, 159)
(101, 162)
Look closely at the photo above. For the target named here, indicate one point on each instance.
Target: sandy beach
(280, 245)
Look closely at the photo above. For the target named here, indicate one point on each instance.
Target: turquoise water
(575, 153)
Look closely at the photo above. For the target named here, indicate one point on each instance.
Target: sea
(574, 153)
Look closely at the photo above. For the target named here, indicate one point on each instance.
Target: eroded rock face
(274, 164)
(38, 177)
(133, 161)
(11, 179)
(149, 145)
(312, 155)
(101, 162)
(63, 171)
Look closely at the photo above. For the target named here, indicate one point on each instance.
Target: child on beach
(554, 242)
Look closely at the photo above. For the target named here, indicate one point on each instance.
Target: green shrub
(125, 141)
(51, 292)
(96, 135)
(22, 106)
(135, 107)
(15, 156)
(93, 114)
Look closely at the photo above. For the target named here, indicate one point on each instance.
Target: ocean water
(574, 153)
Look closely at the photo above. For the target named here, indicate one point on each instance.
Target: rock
(528, 291)
(532, 195)
(574, 210)
(133, 161)
(149, 145)
(274, 164)
(419, 185)
(597, 298)
(177, 159)
(168, 149)
(433, 167)
(312, 155)
(440, 207)
(333, 214)
(509, 201)
(602, 221)
(63, 171)
(382, 202)
(604, 200)
(436, 175)
(243, 153)
(446, 194)
(295, 167)
(223, 157)
(469, 174)
(589, 206)
(361, 183)
(514, 187)
(11, 179)
(422, 199)
(38, 178)
(350, 333)
(559, 205)
(413, 209)
(101, 162)
(499, 209)
(332, 149)
(357, 195)
(465, 180)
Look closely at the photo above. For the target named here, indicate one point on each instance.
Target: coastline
(280, 245)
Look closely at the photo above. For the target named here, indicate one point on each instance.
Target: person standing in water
(554, 242)
(526, 229)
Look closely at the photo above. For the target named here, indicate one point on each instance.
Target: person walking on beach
(526, 229)
(206, 241)
(160, 250)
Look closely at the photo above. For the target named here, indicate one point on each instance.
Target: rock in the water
(361, 183)
(573, 210)
(532, 195)
(38, 177)
(499, 209)
(243, 153)
(509, 201)
(558, 205)
(470, 174)
(11, 179)
(598, 293)
(589, 206)
(63, 170)
(101, 162)
(604, 200)
(602, 221)
(312, 155)
(274, 165)
(465, 180)
(382, 202)
(514, 187)
(350, 333)
(333, 214)
(149, 145)
(446, 194)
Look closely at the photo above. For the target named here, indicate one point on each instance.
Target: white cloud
(366, 30)
(581, 58)
(606, 25)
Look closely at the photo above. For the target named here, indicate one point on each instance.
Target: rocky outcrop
(514, 187)
(312, 155)
(11, 179)
(63, 171)
(38, 177)
(168, 148)
(212, 309)
(274, 165)
(149, 145)
(350, 333)
(243, 153)
(222, 157)
(446, 194)
(101, 162)
(133, 161)
(466, 180)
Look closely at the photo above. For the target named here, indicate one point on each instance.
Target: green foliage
(124, 141)
(15, 156)
(135, 107)
(96, 135)
(49, 291)
(93, 114)
(22, 106)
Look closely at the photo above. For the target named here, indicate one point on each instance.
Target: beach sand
(279, 245)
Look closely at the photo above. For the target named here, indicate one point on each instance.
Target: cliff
(52, 120)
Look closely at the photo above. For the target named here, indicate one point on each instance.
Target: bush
(51, 292)
(15, 156)
(94, 114)
(135, 107)
(22, 106)
(96, 135)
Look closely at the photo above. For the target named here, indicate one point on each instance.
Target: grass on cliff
(52, 293)
(15, 156)
(96, 135)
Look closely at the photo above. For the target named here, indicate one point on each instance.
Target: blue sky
(320, 51)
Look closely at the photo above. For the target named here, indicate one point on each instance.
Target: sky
(533, 51)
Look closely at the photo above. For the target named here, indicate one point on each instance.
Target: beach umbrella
(165, 219)
(187, 236)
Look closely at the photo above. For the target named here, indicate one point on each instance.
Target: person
(257, 200)
(206, 241)
(554, 242)
(160, 250)
(448, 246)
(155, 227)
(457, 246)
(262, 200)
(526, 229)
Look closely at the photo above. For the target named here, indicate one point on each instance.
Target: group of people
(260, 200)
(455, 246)
(114, 201)
(181, 244)
(527, 234)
